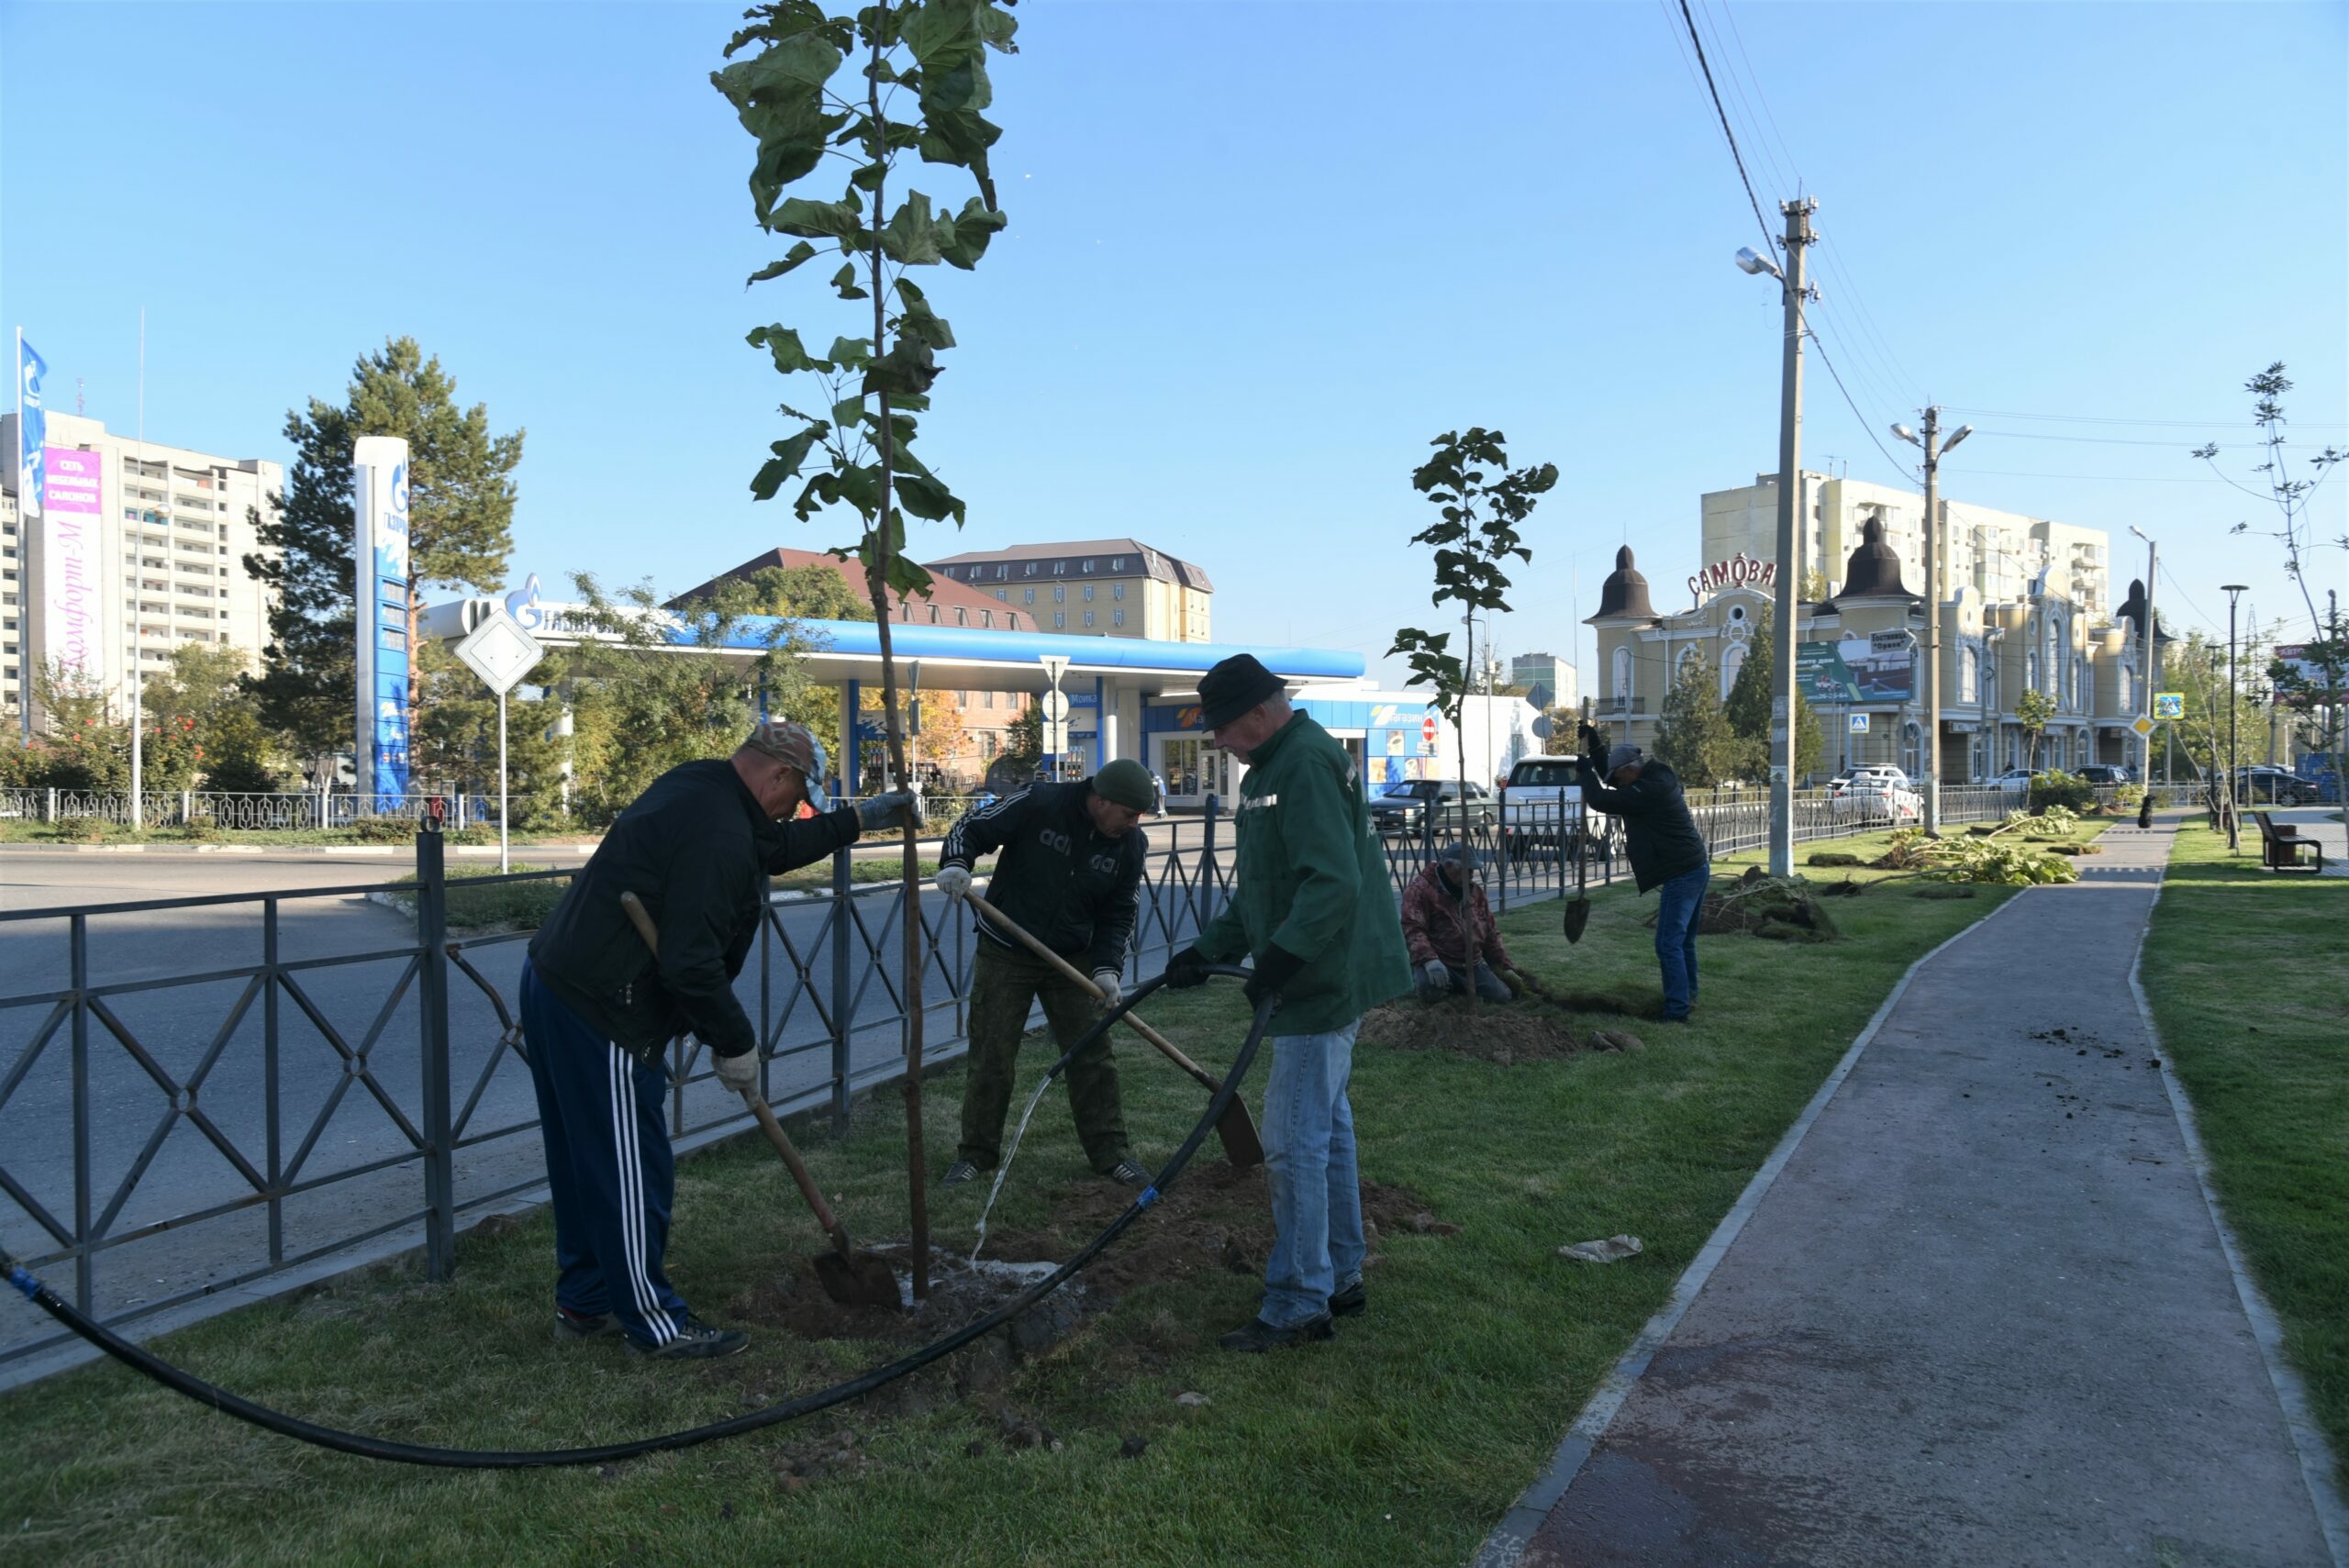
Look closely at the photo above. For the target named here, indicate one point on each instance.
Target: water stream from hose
(1004, 1169)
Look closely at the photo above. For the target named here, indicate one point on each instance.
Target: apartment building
(171, 528)
(1527, 671)
(1999, 554)
(1102, 587)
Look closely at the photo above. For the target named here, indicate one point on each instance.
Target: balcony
(1622, 706)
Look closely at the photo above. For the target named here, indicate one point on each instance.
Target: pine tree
(461, 512)
(1749, 713)
(1692, 734)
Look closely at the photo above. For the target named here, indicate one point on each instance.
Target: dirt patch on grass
(1501, 1033)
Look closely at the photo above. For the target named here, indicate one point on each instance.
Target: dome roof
(1874, 572)
(2132, 610)
(1625, 592)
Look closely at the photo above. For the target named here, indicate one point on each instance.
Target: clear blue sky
(1259, 254)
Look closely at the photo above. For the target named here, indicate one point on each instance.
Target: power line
(2107, 478)
(1898, 466)
(2177, 444)
(1769, 241)
(2177, 424)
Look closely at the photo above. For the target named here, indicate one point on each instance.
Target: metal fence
(210, 1091)
(231, 812)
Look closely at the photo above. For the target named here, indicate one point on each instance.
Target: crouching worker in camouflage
(1069, 875)
(599, 1009)
(1448, 927)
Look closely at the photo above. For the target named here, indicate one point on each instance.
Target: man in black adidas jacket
(598, 1007)
(1068, 876)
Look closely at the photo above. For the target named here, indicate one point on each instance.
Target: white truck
(1542, 808)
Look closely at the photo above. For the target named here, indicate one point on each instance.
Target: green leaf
(849, 410)
(790, 455)
(792, 258)
(919, 322)
(782, 343)
(869, 176)
(926, 498)
(850, 353)
(911, 236)
(974, 226)
(819, 220)
(844, 280)
(909, 366)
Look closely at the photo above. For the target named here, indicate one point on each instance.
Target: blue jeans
(1680, 905)
(1317, 1186)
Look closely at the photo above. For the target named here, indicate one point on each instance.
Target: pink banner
(70, 575)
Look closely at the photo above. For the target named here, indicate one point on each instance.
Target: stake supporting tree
(933, 52)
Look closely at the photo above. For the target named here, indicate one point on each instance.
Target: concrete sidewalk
(1982, 1314)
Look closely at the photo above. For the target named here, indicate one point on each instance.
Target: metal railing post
(269, 1080)
(432, 1004)
(51, 814)
(78, 961)
(844, 1027)
(1203, 884)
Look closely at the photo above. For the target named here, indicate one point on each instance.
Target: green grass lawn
(1401, 1443)
(2244, 969)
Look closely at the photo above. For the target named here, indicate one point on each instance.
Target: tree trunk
(877, 584)
(1460, 738)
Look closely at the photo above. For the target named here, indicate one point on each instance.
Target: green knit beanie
(1128, 784)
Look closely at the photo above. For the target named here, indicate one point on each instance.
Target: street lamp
(2152, 678)
(2234, 829)
(1788, 557)
(1933, 447)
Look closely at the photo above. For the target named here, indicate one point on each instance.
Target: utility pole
(1790, 554)
(1934, 448)
(2234, 828)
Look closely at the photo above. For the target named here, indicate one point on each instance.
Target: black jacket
(1661, 837)
(698, 850)
(1059, 879)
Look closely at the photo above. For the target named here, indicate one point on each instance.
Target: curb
(263, 852)
(2308, 1438)
(1505, 1545)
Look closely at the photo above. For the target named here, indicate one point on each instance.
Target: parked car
(1880, 790)
(2263, 784)
(2014, 781)
(2105, 773)
(1402, 807)
(1537, 806)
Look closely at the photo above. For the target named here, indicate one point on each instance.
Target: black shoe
(1128, 1173)
(959, 1173)
(1260, 1336)
(696, 1340)
(1350, 1302)
(570, 1325)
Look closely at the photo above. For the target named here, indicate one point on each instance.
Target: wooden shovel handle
(1070, 972)
(642, 918)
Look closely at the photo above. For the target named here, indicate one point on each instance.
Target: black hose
(366, 1447)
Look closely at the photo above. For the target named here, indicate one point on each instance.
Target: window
(1030, 571)
(1059, 567)
(1117, 617)
(986, 619)
(1117, 563)
(986, 699)
(962, 617)
(1060, 594)
(1731, 662)
(1003, 595)
(1028, 595)
(1087, 567)
(1622, 687)
(1088, 617)
(1969, 674)
(1088, 593)
(1117, 589)
(1001, 573)
(1060, 620)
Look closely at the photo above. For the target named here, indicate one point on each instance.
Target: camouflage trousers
(1003, 984)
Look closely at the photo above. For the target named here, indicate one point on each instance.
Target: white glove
(954, 881)
(1435, 980)
(738, 1074)
(1113, 987)
(894, 809)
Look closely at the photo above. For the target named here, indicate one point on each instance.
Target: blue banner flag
(32, 430)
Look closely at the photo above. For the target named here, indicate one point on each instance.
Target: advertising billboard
(379, 548)
(1821, 677)
(72, 605)
(1885, 667)
(2312, 681)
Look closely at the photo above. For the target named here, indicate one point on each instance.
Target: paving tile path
(1982, 1315)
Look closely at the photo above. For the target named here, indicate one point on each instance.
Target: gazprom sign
(379, 552)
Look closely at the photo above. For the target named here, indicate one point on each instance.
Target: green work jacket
(1311, 880)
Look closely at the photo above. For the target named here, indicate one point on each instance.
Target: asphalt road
(210, 1059)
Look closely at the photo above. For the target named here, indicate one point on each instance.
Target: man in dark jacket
(1448, 930)
(1069, 875)
(600, 1008)
(1666, 852)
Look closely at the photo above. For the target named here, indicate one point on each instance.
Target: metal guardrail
(354, 1094)
(233, 812)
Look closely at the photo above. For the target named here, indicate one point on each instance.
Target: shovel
(1240, 1145)
(849, 1278)
(1578, 907)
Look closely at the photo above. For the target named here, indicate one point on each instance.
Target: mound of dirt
(1503, 1033)
(1781, 908)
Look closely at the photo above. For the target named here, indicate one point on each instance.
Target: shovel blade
(1238, 1131)
(861, 1279)
(1577, 916)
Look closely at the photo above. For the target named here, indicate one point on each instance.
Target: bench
(2280, 848)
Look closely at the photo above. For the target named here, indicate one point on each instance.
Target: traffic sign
(1543, 728)
(1541, 695)
(1056, 739)
(1055, 706)
(499, 651)
(1859, 724)
(1427, 728)
(2141, 725)
(2170, 704)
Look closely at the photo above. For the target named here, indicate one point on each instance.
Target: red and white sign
(1427, 735)
(1740, 570)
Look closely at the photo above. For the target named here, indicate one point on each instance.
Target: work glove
(954, 881)
(740, 1073)
(1275, 967)
(1186, 969)
(1434, 979)
(1113, 987)
(894, 809)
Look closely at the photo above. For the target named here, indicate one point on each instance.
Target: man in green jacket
(1312, 905)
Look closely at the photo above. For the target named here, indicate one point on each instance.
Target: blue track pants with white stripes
(609, 1166)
